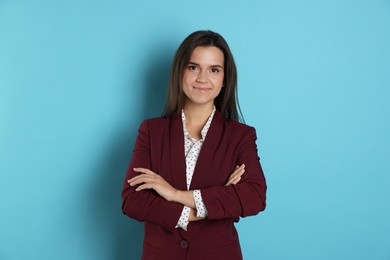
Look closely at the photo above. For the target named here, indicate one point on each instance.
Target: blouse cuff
(201, 211)
(183, 220)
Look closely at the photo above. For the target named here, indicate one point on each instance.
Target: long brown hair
(226, 102)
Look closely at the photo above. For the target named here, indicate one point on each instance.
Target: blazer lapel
(178, 165)
(209, 147)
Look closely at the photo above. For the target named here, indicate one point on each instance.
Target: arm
(199, 212)
(186, 198)
(154, 200)
(148, 180)
(147, 205)
(249, 195)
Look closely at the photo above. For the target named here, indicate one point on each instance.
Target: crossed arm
(147, 179)
(148, 197)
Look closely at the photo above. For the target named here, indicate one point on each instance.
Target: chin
(202, 102)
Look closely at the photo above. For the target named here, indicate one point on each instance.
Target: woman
(186, 178)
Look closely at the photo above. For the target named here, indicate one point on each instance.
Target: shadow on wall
(126, 233)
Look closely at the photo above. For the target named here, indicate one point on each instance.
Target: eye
(215, 70)
(192, 67)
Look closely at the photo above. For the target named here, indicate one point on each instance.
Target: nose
(202, 77)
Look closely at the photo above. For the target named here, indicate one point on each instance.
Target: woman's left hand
(150, 180)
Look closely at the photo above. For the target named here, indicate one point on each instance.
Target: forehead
(208, 55)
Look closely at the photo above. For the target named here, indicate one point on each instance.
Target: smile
(201, 89)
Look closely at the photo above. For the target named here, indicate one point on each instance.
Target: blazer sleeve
(246, 198)
(147, 205)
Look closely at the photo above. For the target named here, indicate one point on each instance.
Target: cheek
(188, 78)
(218, 82)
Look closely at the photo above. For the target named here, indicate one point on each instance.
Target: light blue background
(77, 78)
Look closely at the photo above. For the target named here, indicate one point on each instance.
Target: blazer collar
(178, 164)
(209, 147)
(206, 155)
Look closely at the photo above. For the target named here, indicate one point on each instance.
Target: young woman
(195, 170)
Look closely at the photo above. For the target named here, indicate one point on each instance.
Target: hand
(150, 180)
(235, 177)
(193, 217)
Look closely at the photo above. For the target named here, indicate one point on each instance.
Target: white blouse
(192, 149)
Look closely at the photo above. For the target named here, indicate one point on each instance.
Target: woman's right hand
(235, 177)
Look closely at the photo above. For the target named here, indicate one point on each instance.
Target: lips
(201, 89)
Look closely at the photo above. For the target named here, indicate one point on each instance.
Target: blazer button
(183, 244)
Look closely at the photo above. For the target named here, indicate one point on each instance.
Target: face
(203, 76)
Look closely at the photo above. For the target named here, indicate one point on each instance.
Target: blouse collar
(205, 127)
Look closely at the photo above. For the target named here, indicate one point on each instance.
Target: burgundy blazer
(160, 147)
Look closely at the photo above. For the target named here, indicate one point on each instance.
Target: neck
(197, 115)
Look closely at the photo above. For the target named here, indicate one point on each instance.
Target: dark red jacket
(160, 147)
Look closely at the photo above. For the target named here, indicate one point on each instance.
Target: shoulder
(229, 124)
(158, 122)
(237, 127)
(155, 120)
(239, 135)
(231, 131)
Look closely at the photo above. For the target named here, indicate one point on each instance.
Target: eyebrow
(196, 64)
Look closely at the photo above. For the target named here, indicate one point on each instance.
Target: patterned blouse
(192, 149)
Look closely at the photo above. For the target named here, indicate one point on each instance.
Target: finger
(229, 183)
(143, 170)
(235, 181)
(231, 180)
(238, 171)
(141, 179)
(137, 178)
(236, 178)
(145, 186)
(232, 177)
(241, 172)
